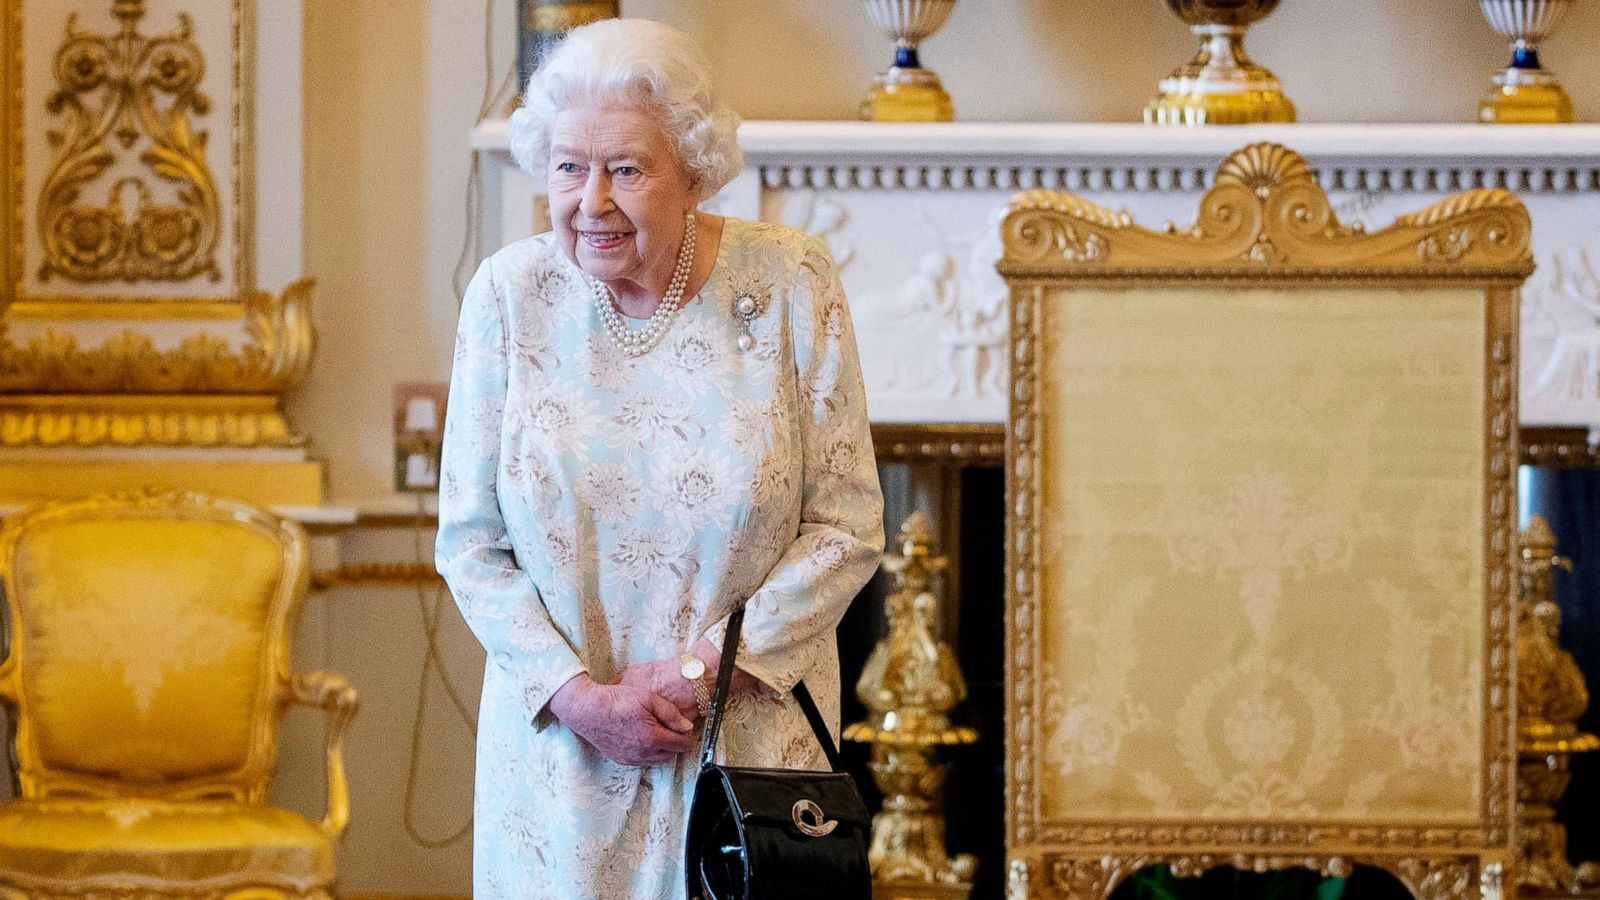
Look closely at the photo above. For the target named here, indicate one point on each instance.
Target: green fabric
(1158, 883)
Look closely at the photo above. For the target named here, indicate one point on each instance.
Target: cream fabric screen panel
(1261, 584)
(1260, 477)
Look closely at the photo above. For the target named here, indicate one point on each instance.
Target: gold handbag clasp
(808, 817)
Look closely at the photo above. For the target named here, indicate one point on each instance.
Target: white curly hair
(639, 63)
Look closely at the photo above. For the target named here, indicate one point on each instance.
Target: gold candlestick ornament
(906, 92)
(1221, 85)
(1525, 92)
(1551, 695)
(910, 684)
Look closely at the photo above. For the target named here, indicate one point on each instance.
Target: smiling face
(618, 196)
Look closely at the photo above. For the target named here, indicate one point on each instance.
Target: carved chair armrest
(8, 657)
(8, 675)
(333, 693)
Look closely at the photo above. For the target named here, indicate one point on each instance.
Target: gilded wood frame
(17, 304)
(1267, 223)
(279, 684)
(248, 783)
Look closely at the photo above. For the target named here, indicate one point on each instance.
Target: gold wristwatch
(694, 668)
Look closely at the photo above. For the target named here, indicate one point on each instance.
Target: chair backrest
(149, 644)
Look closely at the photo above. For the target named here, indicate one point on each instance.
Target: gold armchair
(148, 666)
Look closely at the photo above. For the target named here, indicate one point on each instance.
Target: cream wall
(391, 90)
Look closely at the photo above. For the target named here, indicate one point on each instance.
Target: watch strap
(702, 697)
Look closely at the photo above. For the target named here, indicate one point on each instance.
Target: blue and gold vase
(907, 92)
(1525, 93)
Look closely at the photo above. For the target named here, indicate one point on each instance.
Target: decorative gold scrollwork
(114, 91)
(274, 363)
(809, 818)
(1266, 211)
(1439, 879)
(1090, 878)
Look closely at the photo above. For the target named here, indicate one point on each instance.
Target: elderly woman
(656, 415)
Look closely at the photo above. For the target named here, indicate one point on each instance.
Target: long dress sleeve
(791, 618)
(499, 601)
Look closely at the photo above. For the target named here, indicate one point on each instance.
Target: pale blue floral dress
(597, 510)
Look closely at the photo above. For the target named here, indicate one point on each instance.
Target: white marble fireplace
(911, 214)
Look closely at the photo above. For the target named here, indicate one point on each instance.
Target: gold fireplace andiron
(910, 684)
(1550, 697)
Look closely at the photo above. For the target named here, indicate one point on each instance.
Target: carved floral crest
(118, 95)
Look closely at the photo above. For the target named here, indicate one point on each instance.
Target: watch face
(693, 668)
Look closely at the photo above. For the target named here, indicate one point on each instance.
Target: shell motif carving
(1264, 168)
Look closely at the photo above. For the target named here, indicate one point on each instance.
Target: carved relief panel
(129, 155)
(913, 212)
(130, 310)
(919, 225)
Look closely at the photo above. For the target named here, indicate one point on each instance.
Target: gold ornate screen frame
(21, 212)
(1265, 223)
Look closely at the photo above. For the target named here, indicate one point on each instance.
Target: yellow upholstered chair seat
(147, 668)
(122, 845)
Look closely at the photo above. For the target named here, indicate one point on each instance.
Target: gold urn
(1221, 85)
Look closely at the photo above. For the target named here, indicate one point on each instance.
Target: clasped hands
(646, 719)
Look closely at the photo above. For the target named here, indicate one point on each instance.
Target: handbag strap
(719, 700)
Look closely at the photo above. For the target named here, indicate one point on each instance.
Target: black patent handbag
(774, 834)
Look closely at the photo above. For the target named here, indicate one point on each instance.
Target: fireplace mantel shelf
(910, 213)
(761, 138)
(768, 143)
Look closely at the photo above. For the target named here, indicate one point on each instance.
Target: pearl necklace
(640, 342)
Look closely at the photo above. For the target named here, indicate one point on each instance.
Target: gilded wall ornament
(128, 392)
(116, 93)
(275, 361)
(128, 165)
